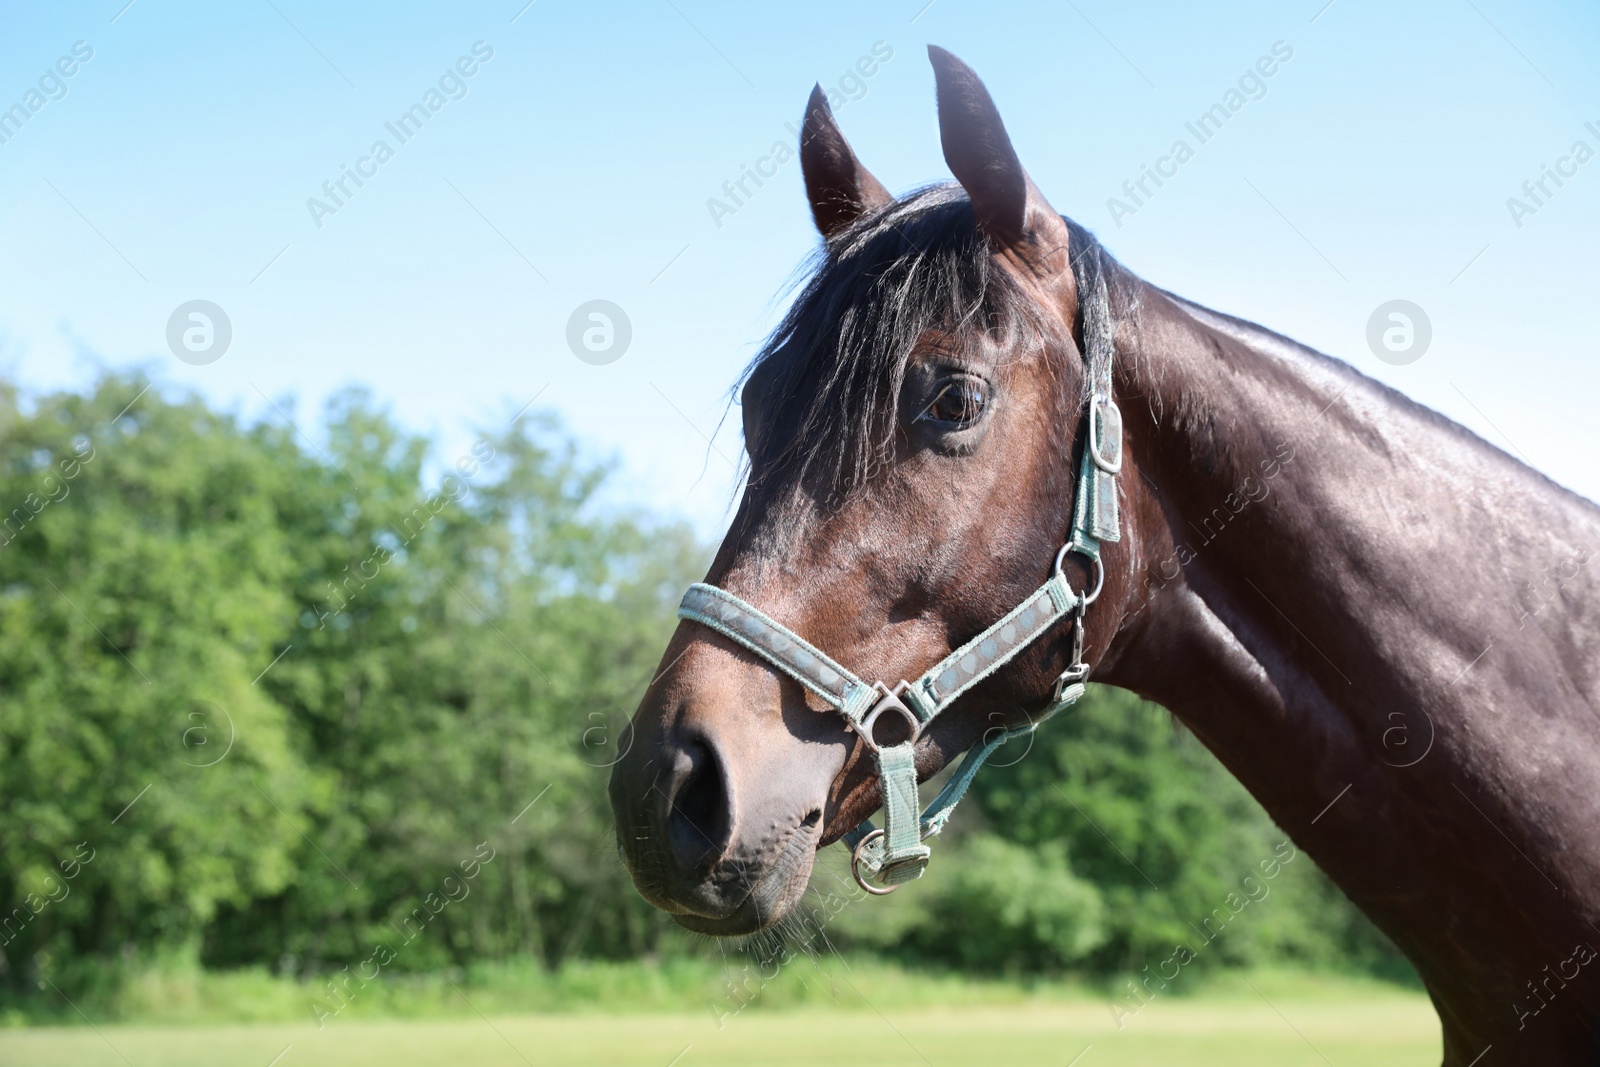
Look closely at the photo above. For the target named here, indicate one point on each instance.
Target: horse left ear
(1010, 211)
(840, 189)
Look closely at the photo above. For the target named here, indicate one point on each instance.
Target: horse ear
(840, 189)
(1010, 211)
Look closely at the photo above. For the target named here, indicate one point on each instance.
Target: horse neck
(1355, 604)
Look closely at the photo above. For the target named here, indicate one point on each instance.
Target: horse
(1301, 561)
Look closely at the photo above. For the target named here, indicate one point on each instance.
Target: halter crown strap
(1094, 514)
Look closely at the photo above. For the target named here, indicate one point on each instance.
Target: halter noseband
(896, 854)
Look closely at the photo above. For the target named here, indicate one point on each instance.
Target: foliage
(1114, 839)
(315, 709)
(1168, 836)
(1014, 906)
(320, 686)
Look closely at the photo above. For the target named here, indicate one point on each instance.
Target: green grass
(1375, 1032)
(183, 994)
(882, 1018)
(178, 992)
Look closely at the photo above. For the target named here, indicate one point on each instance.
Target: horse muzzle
(719, 815)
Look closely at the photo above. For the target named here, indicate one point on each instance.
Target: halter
(895, 854)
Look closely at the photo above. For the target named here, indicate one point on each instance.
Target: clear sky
(577, 159)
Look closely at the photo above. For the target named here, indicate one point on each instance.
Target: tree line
(266, 703)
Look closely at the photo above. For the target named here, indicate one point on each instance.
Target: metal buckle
(1095, 454)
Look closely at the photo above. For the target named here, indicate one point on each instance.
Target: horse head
(913, 429)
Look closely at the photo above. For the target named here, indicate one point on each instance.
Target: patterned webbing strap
(901, 854)
(780, 646)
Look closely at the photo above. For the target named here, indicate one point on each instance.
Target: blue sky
(578, 161)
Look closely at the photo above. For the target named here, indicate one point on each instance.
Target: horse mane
(1356, 383)
(831, 373)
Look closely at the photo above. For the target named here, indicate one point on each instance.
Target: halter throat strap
(896, 853)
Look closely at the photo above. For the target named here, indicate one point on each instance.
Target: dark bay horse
(1386, 628)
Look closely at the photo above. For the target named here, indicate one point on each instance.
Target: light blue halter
(895, 854)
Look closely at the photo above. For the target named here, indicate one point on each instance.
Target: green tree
(324, 678)
(325, 707)
(127, 518)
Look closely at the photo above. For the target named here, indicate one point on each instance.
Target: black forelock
(829, 377)
(830, 374)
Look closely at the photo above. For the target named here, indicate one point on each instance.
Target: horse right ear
(840, 189)
(1008, 208)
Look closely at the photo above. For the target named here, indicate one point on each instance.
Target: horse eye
(959, 403)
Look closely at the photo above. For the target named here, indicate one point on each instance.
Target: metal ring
(855, 867)
(889, 701)
(1100, 570)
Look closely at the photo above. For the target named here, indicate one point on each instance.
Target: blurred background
(364, 408)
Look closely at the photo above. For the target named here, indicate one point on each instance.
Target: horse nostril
(701, 820)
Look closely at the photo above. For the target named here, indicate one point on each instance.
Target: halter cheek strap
(895, 854)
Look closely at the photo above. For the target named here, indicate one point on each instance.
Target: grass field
(1350, 1028)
